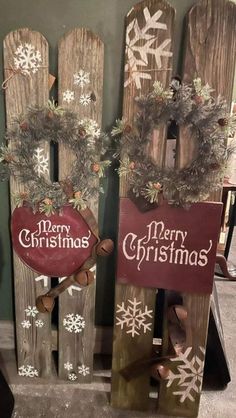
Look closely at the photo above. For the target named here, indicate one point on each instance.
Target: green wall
(53, 18)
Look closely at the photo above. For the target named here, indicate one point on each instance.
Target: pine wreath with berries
(59, 126)
(207, 119)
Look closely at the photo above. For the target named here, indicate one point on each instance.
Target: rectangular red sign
(168, 247)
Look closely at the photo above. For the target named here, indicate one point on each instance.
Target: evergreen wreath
(191, 106)
(54, 125)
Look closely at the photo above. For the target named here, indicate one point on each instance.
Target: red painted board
(54, 246)
(168, 247)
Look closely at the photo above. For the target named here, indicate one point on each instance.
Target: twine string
(15, 71)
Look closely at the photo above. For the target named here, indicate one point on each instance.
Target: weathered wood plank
(33, 344)
(79, 50)
(210, 41)
(154, 18)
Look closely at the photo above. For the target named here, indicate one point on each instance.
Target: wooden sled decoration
(183, 348)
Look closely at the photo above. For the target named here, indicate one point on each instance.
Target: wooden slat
(135, 393)
(210, 54)
(79, 50)
(33, 344)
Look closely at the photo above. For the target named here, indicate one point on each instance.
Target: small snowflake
(68, 96)
(133, 318)
(189, 374)
(81, 78)
(91, 127)
(72, 376)
(84, 370)
(85, 99)
(39, 323)
(26, 324)
(68, 366)
(41, 161)
(31, 311)
(74, 323)
(27, 58)
(28, 371)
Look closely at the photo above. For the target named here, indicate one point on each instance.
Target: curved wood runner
(28, 86)
(210, 55)
(149, 29)
(79, 50)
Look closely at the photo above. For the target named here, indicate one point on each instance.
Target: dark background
(53, 18)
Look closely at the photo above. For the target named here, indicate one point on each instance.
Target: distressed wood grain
(135, 393)
(210, 55)
(80, 49)
(33, 344)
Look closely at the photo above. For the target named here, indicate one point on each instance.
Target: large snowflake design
(68, 96)
(31, 311)
(74, 323)
(28, 371)
(139, 43)
(41, 161)
(27, 58)
(189, 374)
(85, 99)
(133, 318)
(81, 78)
(84, 370)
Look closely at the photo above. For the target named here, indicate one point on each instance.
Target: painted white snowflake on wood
(189, 374)
(41, 160)
(31, 311)
(39, 323)
(26, 324)
(84, 370)
(42, 278)
(133, 318)
(81, 78)
(91, 127)
(68, 96)
(70, 289)
(138, 52)
(28, 371)
(68, 366)
(85, 99)
(72, 376)
(27, 58)
(74, 323)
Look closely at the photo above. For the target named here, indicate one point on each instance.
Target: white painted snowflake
(70, 288)
(81, 78)
(68, 366)
(27, 58)
(133, 318)
(189, 374)
(68, 96)
(39, 323)
(28, 371)
(41, 160)
(31, 311)
(91, 127)
(26, 324)
(74, 323)
(84, 370)
(139, 43)
(85, 99)
(72, 376)
(42, 278)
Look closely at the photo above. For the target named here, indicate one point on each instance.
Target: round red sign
(54, 246)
